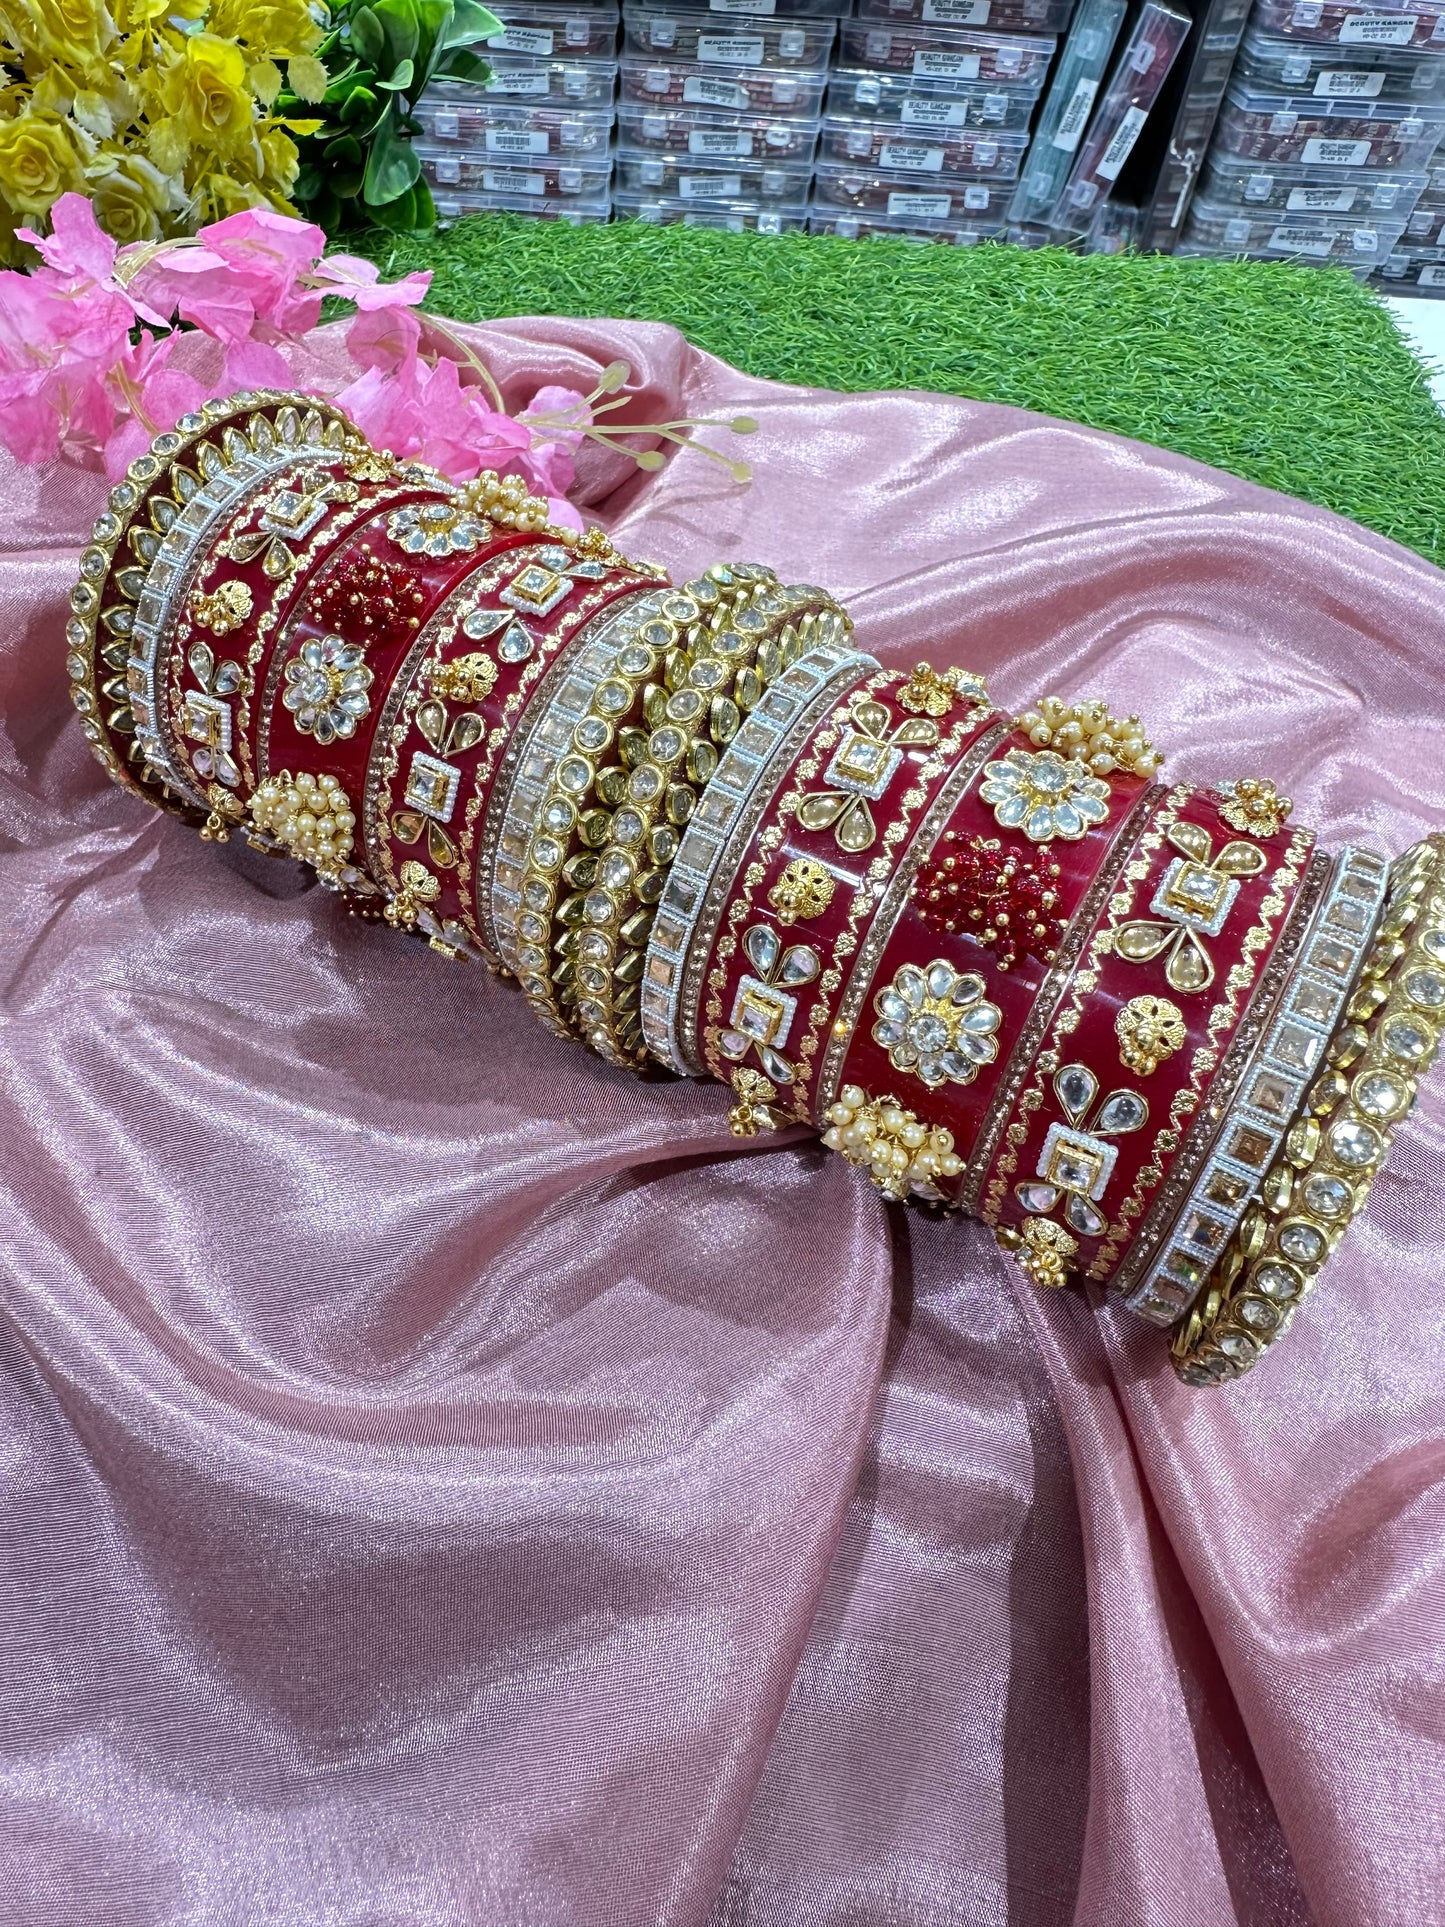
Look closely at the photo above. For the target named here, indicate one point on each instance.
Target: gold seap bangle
(590, 780)
(1390, 1034)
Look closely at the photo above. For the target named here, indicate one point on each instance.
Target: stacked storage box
(1417, 265)
(1329, 126)
(928, 115)
(719, 110)
(538, 138)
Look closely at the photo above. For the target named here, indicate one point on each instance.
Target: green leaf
(341, 83)
(400, 81)
(398, 20)
(367, 37)
(470, 22)
(462, 64)
(309, 183)
(360, 105)
(344, 150)
(433, 19)
(411, 213)
(391, 167)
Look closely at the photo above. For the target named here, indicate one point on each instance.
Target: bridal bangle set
(1148, 1032)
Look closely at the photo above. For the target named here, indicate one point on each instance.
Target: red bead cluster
(365, 599)
(1000, 898)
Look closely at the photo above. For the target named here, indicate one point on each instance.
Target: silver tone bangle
(740, 790)
(891, 906)
(560, 707)
(1286, 1064)
(168, 582)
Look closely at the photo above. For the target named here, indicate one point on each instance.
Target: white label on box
(1318, 242)
(699, 91)
(731, 49)
(1336, 153)
(1378, 29)
(1070, 130)
(933, 113)
(1122, 145)
(523, 40)
(956, 13)
(975, 199)
(506, 180)
(919, 160)
(945, 66)
(720, 140)
(1321, 200)
(709, 187)
(518, 83)
(516, 140)
(743, 6)
(1336, 83)
(920, 207)
(1431, 277)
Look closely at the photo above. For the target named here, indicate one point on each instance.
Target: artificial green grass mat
(1294, 377)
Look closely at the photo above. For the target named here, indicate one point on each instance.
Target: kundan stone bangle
(1152, 1035)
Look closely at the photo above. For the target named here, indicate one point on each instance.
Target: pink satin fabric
(447, 1480)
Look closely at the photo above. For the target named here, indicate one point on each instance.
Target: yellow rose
(280, 165)
(277, 28)
(204, 91)
(69, 33)
(220, 193)
(38, 163)
(133, 200)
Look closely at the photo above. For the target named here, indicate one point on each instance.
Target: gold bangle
(1390, 1034)
(692, 726)
(585, 789)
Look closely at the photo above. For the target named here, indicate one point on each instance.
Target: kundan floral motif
(1077, 1159)
(1193, 901)
(1045, 795)
(937, 1024)
(861, 770)
(436, 528)
(326, 688)
(763, 1007)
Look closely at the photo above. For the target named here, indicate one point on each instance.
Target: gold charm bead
(418, 888)
(466, 679)
(1087, 733)
(1042, 1250)
(803, 891)
(1254, 806)
(753, 1110)
(310, 816)
(1333, 1155)
(1150, 1030)
(929, 693)
(225, 609)
(882, 1137)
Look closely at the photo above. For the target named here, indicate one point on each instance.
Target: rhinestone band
(1390, 1035)
(741, 790)
(1283, 1068)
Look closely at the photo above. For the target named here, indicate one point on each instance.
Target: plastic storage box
(740, 90)
(1252, 186)
(1413, 271)
(707, 135)
(524, 184)
(581, 83)
(939, 53)
(510, 129)
(1271, 64)
(1361, 246)
(1003, 16)
(1079, 74)
(921, 105)
(740, 216)
(1154, 44)
(679, 177)
(453, 202)
(1425, 228)
(1328, 133)
(865, 227)
(909, 199)
(1422, 24)
(539, 31)
(964, 150)
(723, 40)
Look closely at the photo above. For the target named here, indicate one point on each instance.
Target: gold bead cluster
(1086, 733)
(1390, 1034)
(311, 816)
(882, 1137)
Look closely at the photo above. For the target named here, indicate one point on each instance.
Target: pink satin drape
(446, 1480)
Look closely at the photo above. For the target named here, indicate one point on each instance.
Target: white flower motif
(436, 528)
(937, 1024)
(1045, 795)
(326, 684)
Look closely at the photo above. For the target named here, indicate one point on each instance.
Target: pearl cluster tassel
(311, 816)
(1087, 732)
(899, 1153)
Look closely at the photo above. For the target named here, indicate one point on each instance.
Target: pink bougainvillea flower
(77, 247)
(359, 281)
